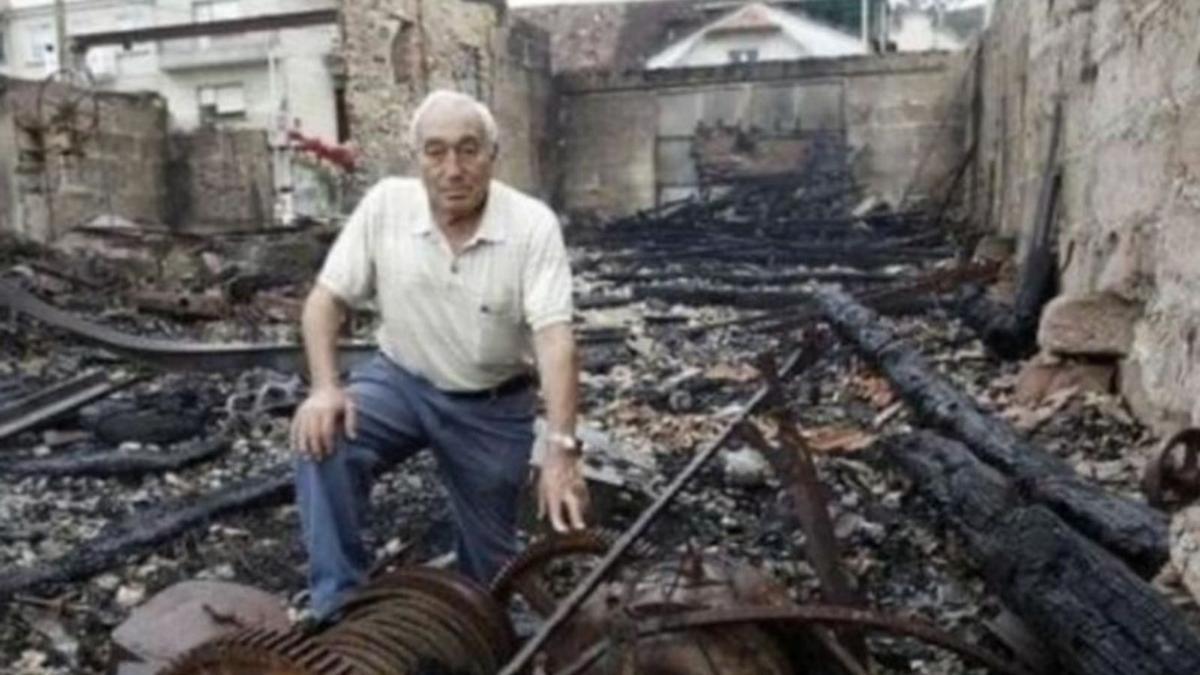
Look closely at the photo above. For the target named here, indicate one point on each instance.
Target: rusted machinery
(1173, 473)
(688, 615)
(413, 620)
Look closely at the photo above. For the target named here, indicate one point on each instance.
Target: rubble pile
(677, 308)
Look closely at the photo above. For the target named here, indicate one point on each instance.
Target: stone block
(192, 612)
(1185, 548)
(1091, 325)
(1043, 375)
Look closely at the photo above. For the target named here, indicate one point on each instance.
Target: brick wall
(220, 179)
(396, 51)
(1130, 153)
(900, 119)
(110, 160)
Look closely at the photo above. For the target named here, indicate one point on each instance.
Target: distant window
(404, 53)
(743, 55)
(221, 102)
(207, 11)
(468, 71)
(3, 53)
(41, 44)
(204, 11)
(132, 19)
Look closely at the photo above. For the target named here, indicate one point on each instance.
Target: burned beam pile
(1060, 550)
(758, 233)
(777, 539)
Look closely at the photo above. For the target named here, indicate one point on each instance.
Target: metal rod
(593, 579)
(820, 615)
(828, 615)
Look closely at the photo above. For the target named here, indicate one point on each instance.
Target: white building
(758, 32)
(936, 25)
(234, 80)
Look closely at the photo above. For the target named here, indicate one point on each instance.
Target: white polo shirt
(464, 323)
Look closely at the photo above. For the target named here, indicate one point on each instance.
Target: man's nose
(453, 166)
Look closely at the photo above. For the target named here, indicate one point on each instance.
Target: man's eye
(469, 150)
(435, 150)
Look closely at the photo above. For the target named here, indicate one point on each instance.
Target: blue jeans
(482, 446)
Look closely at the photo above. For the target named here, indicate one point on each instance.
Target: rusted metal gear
(412, 620)
(262, 652)
(1170, 477)
(521, 576)
(666, 588)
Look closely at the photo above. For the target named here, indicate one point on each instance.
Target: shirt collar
(492, 226)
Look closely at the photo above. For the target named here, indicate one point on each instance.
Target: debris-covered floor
(675, 352)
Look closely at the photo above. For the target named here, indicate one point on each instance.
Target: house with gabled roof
(758, 32)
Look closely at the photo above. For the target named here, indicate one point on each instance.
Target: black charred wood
(143, 532)
(692, 295)
(116, 463)
(161, 427)
(708, 273)
(1133, 531)
(1096, 615)
(600, 301)
(996, 324)
(1011, 332)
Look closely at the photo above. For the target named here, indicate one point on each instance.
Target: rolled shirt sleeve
(546, 279)
(349, 269)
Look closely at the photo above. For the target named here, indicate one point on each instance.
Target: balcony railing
(203, 52)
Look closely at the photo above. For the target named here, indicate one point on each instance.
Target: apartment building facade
(253, 79)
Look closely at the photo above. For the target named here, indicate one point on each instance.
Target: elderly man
(470, 277)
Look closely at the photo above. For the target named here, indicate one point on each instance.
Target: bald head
(455, 139)
(445, 103)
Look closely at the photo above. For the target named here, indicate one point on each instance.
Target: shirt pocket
(499, 329)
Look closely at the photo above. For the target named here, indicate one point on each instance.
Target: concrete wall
(902, 116)
(220, 179)
(55, 180)
(1127, 224)
(396, 51)
(607, 146)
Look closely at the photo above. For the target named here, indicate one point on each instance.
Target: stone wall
(1127, 76)
(397, 51)
(109, 161)
(220, 179)
(902, 119)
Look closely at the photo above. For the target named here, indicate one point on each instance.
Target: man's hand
(314, 427)
(562, 490)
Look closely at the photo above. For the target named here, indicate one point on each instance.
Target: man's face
(456, 159)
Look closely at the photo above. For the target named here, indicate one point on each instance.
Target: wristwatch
(565, 442)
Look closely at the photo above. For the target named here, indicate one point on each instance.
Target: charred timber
(1011, 332)
(750, 279)
(1095, 614)
(857, 257)
(996, 324)
(142, 532)
(691, 295)
(1133, 531)
(117, 463)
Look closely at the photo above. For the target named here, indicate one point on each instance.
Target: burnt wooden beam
(143, 532)
(682, 294)
(1011, 332)
(708, 272)
(1132, 530)
(1096, 615)
(116, 463)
